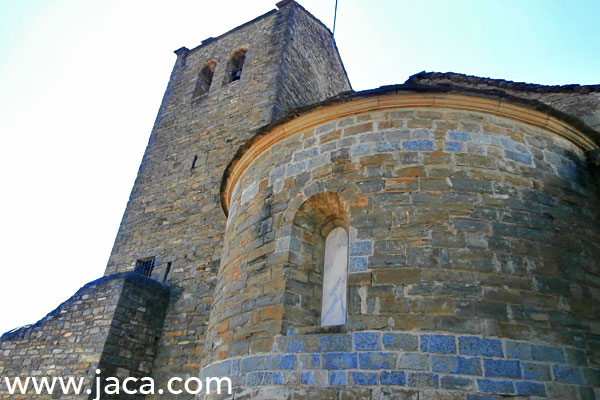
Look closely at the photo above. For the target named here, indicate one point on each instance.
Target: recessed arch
(205, 77)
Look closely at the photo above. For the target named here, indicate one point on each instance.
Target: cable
(334, 18)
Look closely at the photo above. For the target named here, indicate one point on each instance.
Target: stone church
(437, 239)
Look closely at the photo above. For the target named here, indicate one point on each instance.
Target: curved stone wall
(464, 217)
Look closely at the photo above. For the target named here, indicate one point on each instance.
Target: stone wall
(397, 365)
(111, 324)
(582, 102)
(174, 212)
(460, 222)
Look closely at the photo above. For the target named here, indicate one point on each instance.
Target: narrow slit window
(145, 266)
(205, 78)
(167, 272)
(194, 162)
(335, 277)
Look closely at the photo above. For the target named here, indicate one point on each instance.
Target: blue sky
(81, 82)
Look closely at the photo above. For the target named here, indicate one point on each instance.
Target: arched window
(317, 264)
(335, 278)
(235, 65)
(205, 78)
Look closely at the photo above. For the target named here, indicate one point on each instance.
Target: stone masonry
(473, 219)
(111, 324)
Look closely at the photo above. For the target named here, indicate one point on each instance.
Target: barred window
(144, 266)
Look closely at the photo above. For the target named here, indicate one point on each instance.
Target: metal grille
(144, 267)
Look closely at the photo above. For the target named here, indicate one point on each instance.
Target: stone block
(518, 350)
(259, 378)
(255, 363)
(547, 353)
(502, 368)
(340, 361)
(335, 343)
(397, 378)
(536, 371)
(458, 383)
(413, 361)
(530, 388)
(441, 344)
(453, 146)
(400, 341)
(364, 248)
(460, 136)
(423, 380)
(568, 374)
(366, 341)
(493, 386)
(377, 360)
(477, 346)
(357, 264)
(337, 378)
(364, 378)
(418, 145)
(456, 365)
(280, 361)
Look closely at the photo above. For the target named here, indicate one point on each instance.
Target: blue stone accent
(316, 360)
(307, 378)
(547, 353)
(294, 346)
(358, 264)
(366, 341)
(397, 378)
(476, 346)
(441, 344)
(222, 368)
(536, 372)
(518, 350)
(568, 374)
(519, 157)
(418, 145)
(387, 146)
(481, 397)
(453, 146)
(462, 136)
(360, 149)
(495, 387)
(364, 378)
(531, 388)
(502, 368)
(361, 248)
(339, 361)
(335, 343)
(377, 360)
(235, 367)
(286, 361)
(456, 365)
(337, 378)
(259, 378)
(250, 364)
(278, 378)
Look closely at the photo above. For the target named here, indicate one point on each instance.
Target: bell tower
(218, 95)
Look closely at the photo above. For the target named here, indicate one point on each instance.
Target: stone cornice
(382, 100)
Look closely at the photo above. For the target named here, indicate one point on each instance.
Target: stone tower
(287, 59)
